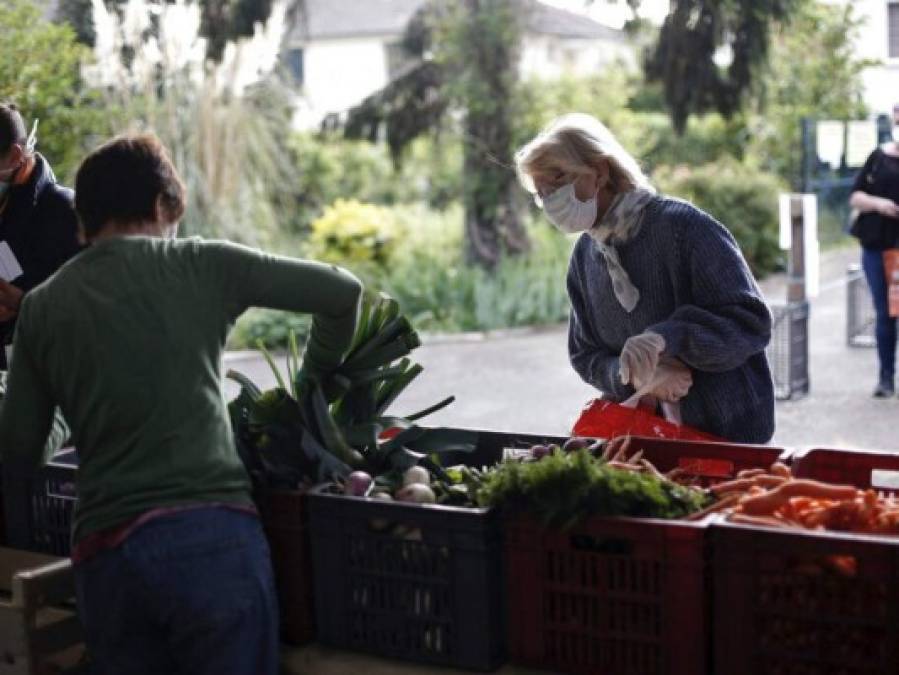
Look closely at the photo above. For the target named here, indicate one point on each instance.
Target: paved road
(521, 380)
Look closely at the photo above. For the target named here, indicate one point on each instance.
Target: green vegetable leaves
(335, 424)
(564, 488)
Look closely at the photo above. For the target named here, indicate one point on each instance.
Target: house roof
(354, 18)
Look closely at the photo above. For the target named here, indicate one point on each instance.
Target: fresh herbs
(563, 488)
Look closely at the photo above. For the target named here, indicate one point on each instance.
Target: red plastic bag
(605, 419)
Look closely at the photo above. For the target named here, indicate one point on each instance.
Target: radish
(417, 493)
(576, 443)
(416, 474)
(539, 451)
(357, 484)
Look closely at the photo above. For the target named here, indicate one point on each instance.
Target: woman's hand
(639, 358)
(867, 203)
(670, 381)
(887, 207)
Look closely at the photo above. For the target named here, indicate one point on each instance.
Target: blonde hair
(575, 142)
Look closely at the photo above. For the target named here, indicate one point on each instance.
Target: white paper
(786, 222)
(829, 142)
(9, 266)
(811, 245)
(861, 140)
(881, 478)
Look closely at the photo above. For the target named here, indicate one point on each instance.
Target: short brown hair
(121, 181)
(12, 127)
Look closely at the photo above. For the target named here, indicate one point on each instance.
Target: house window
(893, 29)
(294, 61)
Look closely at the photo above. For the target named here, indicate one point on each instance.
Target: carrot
(770, 481)
(781, 469)
(650, 467)
(720, 505)
(624, 465)
(766, 504)
(739, 485)
(610, 448)
(750, 473)
(622, 450)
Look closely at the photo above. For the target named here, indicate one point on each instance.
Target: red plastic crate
(620, 596)
(794, 602)
(285, 521)
(862, 468)
(617, 596)
(710, 461)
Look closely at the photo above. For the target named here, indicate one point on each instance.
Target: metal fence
(859, 309)
(788, 350)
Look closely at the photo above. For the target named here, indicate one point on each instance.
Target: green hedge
(744, 199)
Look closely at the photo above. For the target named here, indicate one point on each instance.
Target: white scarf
(618, 225)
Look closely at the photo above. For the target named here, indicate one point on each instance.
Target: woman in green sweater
(172, 569)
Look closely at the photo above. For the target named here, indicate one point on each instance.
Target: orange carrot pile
(774, 498)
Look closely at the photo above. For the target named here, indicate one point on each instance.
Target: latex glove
(669, 382)
(639, 358)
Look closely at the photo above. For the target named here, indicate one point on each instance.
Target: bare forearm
(864, 202)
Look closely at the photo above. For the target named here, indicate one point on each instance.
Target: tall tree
(709, 52)
(223, 20)
(814, 71)
(473, 69)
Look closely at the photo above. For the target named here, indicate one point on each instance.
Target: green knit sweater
(127, 340)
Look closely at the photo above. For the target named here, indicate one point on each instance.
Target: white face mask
(896, 133)
(567, 212)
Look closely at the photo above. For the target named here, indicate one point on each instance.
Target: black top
(879, 177)
(41, 228)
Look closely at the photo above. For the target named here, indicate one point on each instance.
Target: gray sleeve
(594, 362)
(727, 321)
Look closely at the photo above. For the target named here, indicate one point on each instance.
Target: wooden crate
(39, 629)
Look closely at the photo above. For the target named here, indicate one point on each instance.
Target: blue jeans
(190, 593)
(885, 326)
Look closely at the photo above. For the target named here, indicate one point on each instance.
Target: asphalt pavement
(520, 380)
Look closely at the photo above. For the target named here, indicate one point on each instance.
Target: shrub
(354, 234)
(39, 70)
(438, 291)
(744, 199)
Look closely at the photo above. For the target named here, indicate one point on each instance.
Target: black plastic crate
(38, 510)
(418, 582)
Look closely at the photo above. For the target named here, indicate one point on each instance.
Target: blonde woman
(664, 308)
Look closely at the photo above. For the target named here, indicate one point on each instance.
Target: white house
(879, 41)
(341, 51)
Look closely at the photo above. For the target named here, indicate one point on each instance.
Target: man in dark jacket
(37, 218)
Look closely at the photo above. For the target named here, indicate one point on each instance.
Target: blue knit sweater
(697, 292)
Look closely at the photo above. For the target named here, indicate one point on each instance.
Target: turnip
(416, 474)
(539, 451)
(576, 443)
(357, 484)
(417, 493)
(380, 494)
